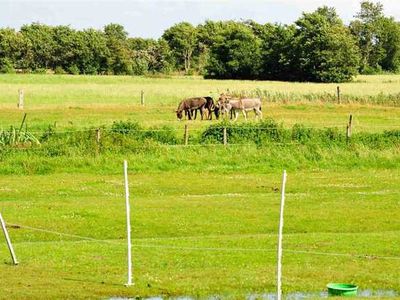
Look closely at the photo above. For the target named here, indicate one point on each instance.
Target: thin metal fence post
(279, 264)
(10, 247)
(128, 224)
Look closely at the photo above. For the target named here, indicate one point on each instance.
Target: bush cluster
(269, 132)
(131, 137)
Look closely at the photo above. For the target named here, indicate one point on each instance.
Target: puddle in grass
(272, 296)
(316, 295)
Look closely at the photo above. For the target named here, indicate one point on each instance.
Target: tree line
(317, 47)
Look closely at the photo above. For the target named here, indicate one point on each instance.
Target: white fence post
(128, 224)
(279, 267)
(10, 247)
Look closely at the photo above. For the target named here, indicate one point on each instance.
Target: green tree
(207, 34)
(138, 43)
(210, 31)
(235, 53)
(150, 55)
(324, 49)
(120, 57)
(390, 41)
(42, 45)
(66, 50)
(182, 39)
(14, 51)
(378, 38)
(276, 51)
(160, 57)
(94, 52)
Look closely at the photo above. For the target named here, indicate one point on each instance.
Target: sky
(149, 18)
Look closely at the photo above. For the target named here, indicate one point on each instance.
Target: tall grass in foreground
(251, 148)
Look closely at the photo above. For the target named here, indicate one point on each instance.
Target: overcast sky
(149, 18)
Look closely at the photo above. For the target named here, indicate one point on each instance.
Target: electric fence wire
(224, 249)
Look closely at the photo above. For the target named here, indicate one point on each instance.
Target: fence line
(228, 144)
(173, 129)
(200, 145)
(108, 130)
(60, 233)
(224, 249)
(13, 149)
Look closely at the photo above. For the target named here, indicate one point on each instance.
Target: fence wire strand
(196, 129)
(224, 249)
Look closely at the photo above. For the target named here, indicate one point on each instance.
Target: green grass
(173, 213)
(204, 217)
(82, 101)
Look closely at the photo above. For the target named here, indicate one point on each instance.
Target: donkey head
(179, 114)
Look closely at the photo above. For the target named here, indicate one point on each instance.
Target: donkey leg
(204, 114)
(244, 114)
(236, 115)
(256, 113)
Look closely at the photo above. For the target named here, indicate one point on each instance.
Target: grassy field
(204, 218)
(79, 101)
(200, 234)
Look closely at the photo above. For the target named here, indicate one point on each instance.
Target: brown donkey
(189, 105)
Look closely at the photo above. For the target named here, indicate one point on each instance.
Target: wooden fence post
(338, 94)
(98, 135)
(225, 137)
(142, 98)
(349, 127)
(98, 138)
(20, 104)
(186, 135)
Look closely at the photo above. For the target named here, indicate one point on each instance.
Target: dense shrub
(130, 137)
(383, 140)
(127, 128)
(6, 66)
(74, 70)
(268, 131)
(39, 71)
(59, 70)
